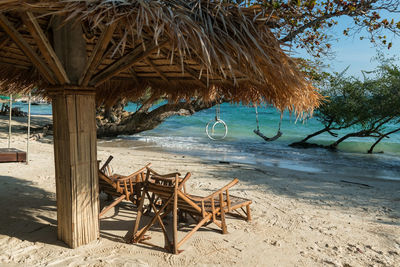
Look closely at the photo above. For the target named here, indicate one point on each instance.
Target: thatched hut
(81, 53)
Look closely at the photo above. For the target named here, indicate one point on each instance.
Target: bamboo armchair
(172, 199)
(120, 186)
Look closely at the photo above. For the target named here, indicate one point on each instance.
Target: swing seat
(268, 139)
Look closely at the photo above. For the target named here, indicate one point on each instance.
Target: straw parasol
(81, 53)
(177, 48)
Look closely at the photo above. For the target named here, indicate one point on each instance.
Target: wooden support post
(76, 166)
(75, 154)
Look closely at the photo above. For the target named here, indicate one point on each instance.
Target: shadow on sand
(27, 212)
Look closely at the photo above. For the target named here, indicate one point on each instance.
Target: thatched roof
(178, 48)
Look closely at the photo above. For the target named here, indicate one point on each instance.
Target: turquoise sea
(186, 135)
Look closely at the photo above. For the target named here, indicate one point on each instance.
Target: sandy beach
(299, 218)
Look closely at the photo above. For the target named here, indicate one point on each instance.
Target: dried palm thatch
(175, 49)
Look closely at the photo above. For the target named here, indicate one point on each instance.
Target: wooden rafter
(134, 75)
(156, 69)
(26, 48)
(187, 69)
(125, 62)
(5, 38)
(97, 54)
(44, 46)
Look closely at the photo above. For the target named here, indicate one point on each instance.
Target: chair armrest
(136, 172)
(168, 175)
(225, 188)
(216, 193)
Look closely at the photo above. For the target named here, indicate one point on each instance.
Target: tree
(300, 23)
(365, 107)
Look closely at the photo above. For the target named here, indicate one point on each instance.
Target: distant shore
(300, 218)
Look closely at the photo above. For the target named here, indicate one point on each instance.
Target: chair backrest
(167, 188)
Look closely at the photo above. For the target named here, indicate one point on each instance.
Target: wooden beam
(44, 46)
(134, 75)
(4, 40)
(156, 69)
(125, 62)
(26, 48)
(97, 54)
(190, 71)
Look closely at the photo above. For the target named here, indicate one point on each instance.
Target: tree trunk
(143, 120)
(304, 144)
(363, 133)
(380, 139)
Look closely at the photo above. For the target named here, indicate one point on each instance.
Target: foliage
(366, 107)
(306, 22)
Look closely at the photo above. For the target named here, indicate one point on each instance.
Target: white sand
(299, 218)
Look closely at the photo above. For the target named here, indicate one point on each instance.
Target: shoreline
(314, 169)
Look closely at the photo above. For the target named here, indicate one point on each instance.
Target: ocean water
(186, 135)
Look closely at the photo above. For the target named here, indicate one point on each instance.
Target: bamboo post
(76, 166)
(29, 128)
(9, 123)
(75, 142)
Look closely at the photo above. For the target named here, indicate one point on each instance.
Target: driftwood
(348, 182)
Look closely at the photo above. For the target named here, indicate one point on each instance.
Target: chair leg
(139, 214)
(151, 199)
(107, 208)
(138, 236)
(175, 224)
(248, 213)
(223, 221)
(159, 218)
(223, 224)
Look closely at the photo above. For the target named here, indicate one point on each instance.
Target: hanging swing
(268, 139)
(211, 134)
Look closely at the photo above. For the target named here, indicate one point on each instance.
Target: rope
(258, 127)
(280, 122)
(268, 139)
(217, 112)
(216, 122)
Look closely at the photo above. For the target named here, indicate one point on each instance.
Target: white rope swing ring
(214, 123)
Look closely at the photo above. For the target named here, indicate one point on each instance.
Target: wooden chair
(204, 210)
(119, 186)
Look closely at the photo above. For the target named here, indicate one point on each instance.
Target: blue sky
(356, 53)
